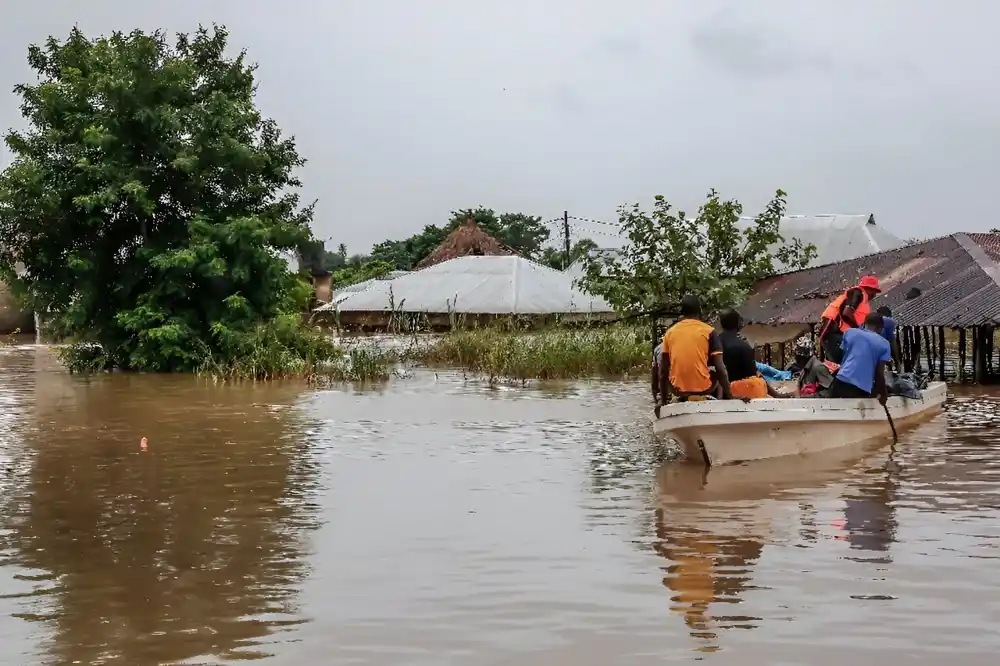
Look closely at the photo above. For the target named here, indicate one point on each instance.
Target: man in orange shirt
(690, 346)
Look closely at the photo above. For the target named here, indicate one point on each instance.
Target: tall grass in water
(511, 356)
(307, 354)
(278, 349)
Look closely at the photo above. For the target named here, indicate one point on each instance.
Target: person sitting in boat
(690, 346)
(816, 376)
(889, 333)
(847, 311)
(745, 380)
(866, 355)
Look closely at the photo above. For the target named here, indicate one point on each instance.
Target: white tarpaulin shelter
(836, 237)
(477, 285)
(348, 291)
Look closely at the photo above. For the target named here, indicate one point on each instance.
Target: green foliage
(504, 355)
(354, 274)
(669, 254)
(339, 259)
(525, 234)
(150, 202)
(556, 257)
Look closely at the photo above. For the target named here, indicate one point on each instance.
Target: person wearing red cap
(847, 311)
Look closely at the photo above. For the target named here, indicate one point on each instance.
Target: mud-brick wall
(12, 317)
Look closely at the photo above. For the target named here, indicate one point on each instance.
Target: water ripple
(437, 520)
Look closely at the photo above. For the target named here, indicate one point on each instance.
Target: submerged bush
(504, 355)
(362, 362)
(280, 349)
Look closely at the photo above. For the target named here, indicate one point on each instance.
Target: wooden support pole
(927, 350)
(908, 349)
(917, 365)
(961, 355)
(978, 353)
(988, 351)
(940, 332)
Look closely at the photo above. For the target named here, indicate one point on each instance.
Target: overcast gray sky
(408, 109)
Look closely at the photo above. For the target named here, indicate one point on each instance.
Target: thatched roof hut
(467, 240)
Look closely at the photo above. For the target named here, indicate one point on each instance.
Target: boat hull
(730, 431)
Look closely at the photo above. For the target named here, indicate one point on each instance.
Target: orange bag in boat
(751, 387)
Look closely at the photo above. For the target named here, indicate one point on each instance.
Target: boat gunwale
(799, 406)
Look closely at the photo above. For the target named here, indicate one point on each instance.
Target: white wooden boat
(719, 432)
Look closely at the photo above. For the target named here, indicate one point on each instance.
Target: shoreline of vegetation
(191, 273)
(496, 355)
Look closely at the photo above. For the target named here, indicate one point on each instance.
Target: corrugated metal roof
(340, 294)
(836, 237)
(946, 286)
(478, 285)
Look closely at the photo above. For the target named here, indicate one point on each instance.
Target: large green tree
(669, 254)
(149, 200)
(525, 234)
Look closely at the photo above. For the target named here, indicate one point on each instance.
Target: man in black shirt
(740, 361)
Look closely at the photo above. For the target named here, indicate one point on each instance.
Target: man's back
(863, 351)
(888, 328)
(738, 356)
(687, 345)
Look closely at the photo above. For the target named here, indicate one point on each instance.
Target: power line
(581, 231)
(590, 220)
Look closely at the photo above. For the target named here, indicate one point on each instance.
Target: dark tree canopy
(149, 201)
(525, 234)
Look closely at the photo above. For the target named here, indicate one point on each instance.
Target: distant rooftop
(476, 285)
(952, 281)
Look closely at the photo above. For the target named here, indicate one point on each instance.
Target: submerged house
(473, 289)
(944, 293)
(351, 289)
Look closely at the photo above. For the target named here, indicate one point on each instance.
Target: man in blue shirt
(889, 332)
(866, 354)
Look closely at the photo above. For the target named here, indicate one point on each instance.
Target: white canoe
(720, 432)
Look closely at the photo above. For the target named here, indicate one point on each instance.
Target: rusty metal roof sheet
(951, 281)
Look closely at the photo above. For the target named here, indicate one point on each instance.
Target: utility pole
(566, 239)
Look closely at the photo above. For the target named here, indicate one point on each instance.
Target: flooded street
(437, 521)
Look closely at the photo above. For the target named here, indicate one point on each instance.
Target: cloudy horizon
(407, 111)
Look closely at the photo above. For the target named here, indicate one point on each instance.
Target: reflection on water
(869, 515)
(439, 521)
(191, 548)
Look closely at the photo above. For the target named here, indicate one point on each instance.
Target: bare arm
(720, 372)
(851, 304)
(881, 390)
(665, 388)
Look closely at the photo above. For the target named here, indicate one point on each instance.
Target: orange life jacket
(834, 311)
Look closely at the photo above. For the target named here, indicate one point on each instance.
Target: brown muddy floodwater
(436, 521)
